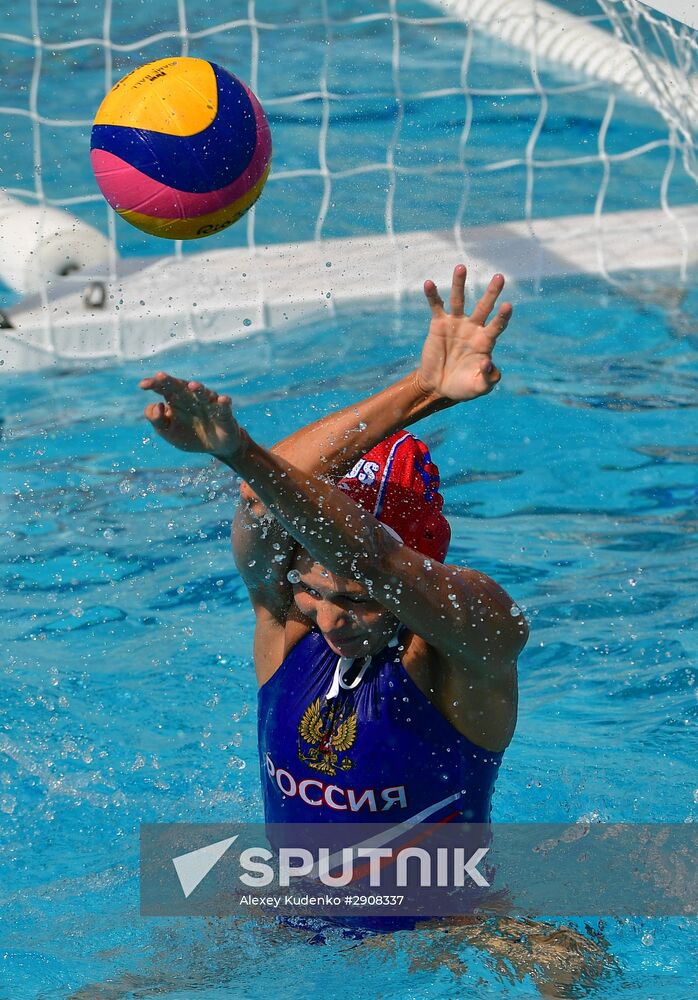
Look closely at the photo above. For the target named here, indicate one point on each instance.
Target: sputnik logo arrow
(191, 868)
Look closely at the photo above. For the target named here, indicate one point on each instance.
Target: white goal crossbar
(169, 302)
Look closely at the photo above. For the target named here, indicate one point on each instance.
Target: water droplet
(647, 939)
(633, 583)
(515, 611)
(247, 322)
(293, 576)
(328, 263)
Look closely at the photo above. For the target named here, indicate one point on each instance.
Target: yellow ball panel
(177, 96)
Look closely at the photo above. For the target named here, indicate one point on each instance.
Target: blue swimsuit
(376, 752)
(344, 742)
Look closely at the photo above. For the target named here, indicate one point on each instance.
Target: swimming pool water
(128, 694)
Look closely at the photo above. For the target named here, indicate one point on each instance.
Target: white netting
(666, 53)
(387, 119)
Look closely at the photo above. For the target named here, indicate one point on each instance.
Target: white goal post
(85, 301)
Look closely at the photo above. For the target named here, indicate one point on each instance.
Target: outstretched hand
(192, 418)
(457, 354)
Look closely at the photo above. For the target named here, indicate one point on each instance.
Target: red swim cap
(399, 484)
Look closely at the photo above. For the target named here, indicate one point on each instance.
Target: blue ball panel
(203, 162)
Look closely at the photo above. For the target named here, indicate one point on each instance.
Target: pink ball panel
(127, 189)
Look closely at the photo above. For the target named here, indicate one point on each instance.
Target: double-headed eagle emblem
(328, 733)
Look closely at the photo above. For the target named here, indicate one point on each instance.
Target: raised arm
(456, 365)
(461, 613)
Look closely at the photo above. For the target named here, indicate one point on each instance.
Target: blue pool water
(128, 695)
(128, 692)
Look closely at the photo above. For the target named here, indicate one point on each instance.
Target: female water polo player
(387, 678)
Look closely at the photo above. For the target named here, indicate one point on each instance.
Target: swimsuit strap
(344, 665)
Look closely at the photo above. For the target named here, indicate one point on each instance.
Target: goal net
(522, 136)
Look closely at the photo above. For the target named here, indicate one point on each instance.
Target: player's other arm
(461, 613)
(456, 366)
